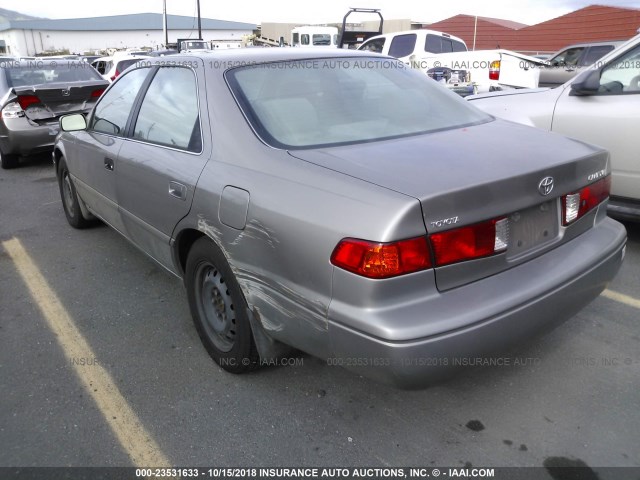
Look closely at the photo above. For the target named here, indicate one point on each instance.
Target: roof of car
(594, 44)
(41, 62)
(241, 56)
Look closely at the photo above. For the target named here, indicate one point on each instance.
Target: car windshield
(334, 101)
(39, 73)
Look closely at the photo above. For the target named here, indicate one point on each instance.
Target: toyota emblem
(545, 186)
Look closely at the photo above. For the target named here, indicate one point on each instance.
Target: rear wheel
(219, 309)
(70, 200)
(8, 161)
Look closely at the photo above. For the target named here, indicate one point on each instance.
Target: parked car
(33, 96)
(111, 67)
(343, 204)
(571, 60)
(599, 106)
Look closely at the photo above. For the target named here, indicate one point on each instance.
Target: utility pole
(199, 23)
(475, 31)
(164, 23)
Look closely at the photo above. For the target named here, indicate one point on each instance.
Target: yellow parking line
(619, 297)
(142, 449)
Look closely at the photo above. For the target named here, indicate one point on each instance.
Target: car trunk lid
(46, 103)
(470, 175)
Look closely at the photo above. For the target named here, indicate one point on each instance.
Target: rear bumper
(18, 136)
(495, 313)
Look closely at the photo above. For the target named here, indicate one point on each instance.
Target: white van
(314, 36)
(404, 45)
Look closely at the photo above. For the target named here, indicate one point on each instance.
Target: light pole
(199, 24)
(164, 23)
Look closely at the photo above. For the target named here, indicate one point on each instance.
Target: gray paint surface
(304, 202)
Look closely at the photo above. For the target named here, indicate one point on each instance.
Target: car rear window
(337, 101)
(39, 73)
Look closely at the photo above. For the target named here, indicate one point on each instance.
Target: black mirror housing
(587, 84)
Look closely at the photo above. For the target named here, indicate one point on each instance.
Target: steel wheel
(67, 194)
(219, 308)
(216, 303)
(69, 197)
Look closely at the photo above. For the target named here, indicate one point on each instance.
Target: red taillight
(27, 100)
(97, 93)
(466, 243)
(576, 205)
(494, 70)
(115, 75)
(382, 260)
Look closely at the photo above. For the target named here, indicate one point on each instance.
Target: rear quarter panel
(297, 213)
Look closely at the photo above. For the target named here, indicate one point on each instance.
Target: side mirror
(73, 123)
(587, 84)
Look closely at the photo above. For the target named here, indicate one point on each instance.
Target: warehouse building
(88, 35)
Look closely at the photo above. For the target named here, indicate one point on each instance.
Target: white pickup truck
(487, 70)
(445, 58)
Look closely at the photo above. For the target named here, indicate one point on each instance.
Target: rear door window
(595, 53)
(169, 112)
(402, 45)
(458, 46)
(437, 44)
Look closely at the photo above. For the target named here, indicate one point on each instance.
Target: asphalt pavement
(572, 395)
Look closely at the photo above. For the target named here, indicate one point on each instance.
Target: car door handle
(108, 164)
(178, 190)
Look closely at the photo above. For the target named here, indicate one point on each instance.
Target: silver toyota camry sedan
(339, 203)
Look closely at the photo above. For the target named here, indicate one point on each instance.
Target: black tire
(69, 196)
(219, 309)
(8, 161)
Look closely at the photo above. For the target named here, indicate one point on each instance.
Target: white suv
(599, 106)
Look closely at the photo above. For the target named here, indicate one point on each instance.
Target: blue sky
(254, 11)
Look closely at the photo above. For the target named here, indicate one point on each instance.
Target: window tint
(375, 45)
(438, 44)
(402, 45)
(112, 111)
(305, 39)
(595, 53)
(295, 40)
(169, 111)
(458, 46)
(345, 101)
(622, 75)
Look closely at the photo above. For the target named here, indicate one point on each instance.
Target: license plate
(532, 228)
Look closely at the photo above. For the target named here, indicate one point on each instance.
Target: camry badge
(545, 186)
